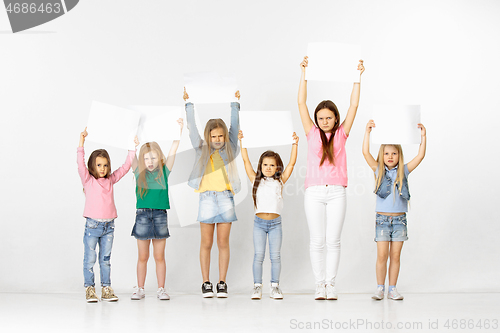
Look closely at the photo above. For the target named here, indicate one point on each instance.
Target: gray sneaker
(138, 294)
(276, 291)
(91, 295)
(379, 294)
(393, 294)
(162, 294)
(257, 291)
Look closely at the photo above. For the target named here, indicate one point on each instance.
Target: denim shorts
(150, 224)
(391, 228)
(216, 207)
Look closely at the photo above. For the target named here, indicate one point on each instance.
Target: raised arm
(366, 146)
(194, 135)
(173, 148)
(80, 158)
(83, 135)
(244, 154)
(353, 106)
(234, 128)
(307, 122)
(135, 163)
(421, 150)
(122, 171)
(293, 158)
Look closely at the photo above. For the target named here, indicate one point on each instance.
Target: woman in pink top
(100, 212)
(326, 180)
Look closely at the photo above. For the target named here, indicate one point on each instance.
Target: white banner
(333, 62)
(396, 124)
(210, 87)
(112, 125)
(266, 128)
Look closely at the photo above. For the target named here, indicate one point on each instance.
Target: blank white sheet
(266, 128)
(333, 62)
(210, 87)
(112, 125)
(158, 123)
(396, 124)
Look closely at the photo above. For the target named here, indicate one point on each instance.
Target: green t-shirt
(157, 195)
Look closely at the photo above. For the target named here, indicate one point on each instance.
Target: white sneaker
(393, 294)
(331, 293)
(162, 294)
(257, 291)
(320, 292)
(379, 294)
(138, 293)
(276, 291)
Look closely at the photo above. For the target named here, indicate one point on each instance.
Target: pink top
(327, 174)
(99, 198)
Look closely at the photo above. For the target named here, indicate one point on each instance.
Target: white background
(438, 54)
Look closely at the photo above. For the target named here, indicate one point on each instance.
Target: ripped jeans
(102, 233)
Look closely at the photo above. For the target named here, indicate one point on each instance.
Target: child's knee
(105, 261)
(275, 257)
(259, 257)
(159, 257)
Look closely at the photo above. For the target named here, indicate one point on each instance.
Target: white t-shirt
(269, 198)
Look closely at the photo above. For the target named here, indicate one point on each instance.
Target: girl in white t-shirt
(268, 202)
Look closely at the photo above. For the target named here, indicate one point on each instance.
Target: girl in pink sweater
(100, 212)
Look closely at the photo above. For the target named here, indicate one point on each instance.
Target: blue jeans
(102, 233)
(261, 230)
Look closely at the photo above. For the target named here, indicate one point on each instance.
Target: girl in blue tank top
(391, 187)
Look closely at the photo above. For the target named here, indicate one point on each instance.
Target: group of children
(215, 177)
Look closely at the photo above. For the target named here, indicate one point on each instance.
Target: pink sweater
(327, 174)
(99, 198)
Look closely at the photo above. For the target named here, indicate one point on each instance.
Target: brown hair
(147, 148)
(327, 143)
(258, 174)
(92, 160)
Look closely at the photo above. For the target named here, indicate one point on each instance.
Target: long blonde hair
(141, 180)
(381, 168)
(206, 148)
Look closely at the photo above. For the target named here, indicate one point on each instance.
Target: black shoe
(207, 289)
(222, 289)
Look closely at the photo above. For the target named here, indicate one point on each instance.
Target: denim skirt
(150, 224)
(216, 207)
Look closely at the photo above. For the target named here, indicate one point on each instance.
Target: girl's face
(217, 138)
(151, 160)
(269, 166)
(326, 120)
(101, 166)
(391, 156)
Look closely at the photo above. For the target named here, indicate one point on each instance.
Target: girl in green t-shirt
(151, 172)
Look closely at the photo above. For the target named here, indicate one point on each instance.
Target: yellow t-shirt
(215, 175)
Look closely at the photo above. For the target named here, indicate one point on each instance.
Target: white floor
(238, 313)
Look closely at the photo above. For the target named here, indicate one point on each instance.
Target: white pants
(325, 211)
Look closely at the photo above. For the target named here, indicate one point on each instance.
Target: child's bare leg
(381, 265)
(142, 261)
(161, 266)
(207, 239)
(395, 253)
(223, 230)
